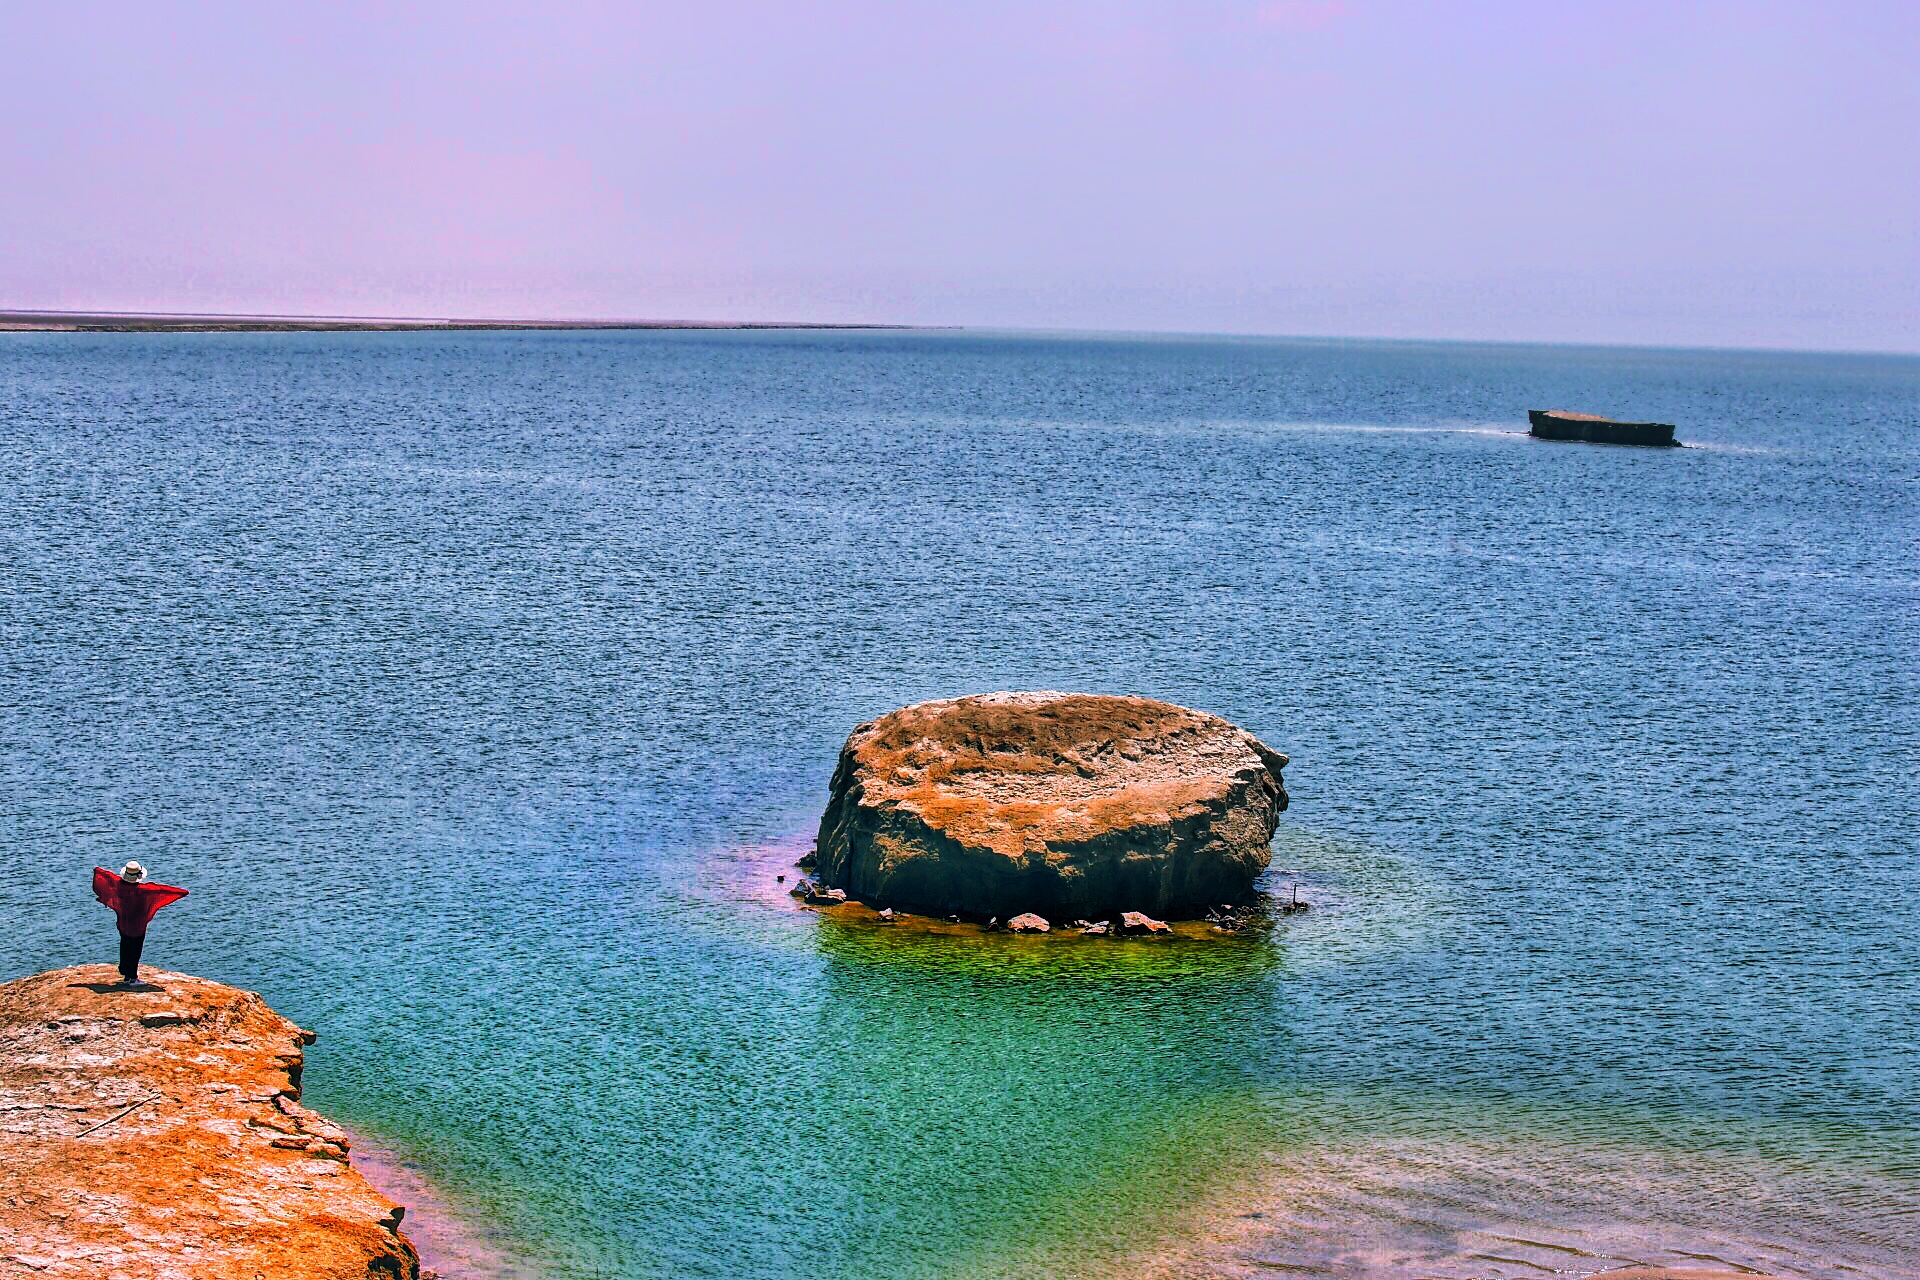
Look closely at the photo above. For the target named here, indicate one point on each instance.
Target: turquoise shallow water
(479, 684)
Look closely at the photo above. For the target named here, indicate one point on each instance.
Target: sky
(1738, 174)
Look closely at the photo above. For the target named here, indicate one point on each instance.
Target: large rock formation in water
(1057, 803)
(158, 1132)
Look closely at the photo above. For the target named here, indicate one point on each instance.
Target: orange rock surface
(157, 1133)
(1064, 804)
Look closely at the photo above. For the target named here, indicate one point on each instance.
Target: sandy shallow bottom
(1426, 1210)
(1448, 1209)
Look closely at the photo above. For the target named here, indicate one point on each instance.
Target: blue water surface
(478, 684)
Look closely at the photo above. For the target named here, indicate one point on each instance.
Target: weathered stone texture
(157, 1134)
(1068, 805)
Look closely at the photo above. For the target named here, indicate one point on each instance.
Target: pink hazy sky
(1720, 174)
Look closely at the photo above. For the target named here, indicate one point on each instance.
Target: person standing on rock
(133, 899)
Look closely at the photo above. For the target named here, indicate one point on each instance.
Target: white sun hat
(133, 873)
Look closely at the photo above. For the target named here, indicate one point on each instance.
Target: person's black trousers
(130, 957)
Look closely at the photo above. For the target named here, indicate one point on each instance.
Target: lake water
(478, 685)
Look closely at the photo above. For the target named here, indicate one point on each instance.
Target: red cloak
(133, 904)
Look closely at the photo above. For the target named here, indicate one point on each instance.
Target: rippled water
(479, 684)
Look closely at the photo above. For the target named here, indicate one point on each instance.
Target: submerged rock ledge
(1061, 804)
(157, 1132)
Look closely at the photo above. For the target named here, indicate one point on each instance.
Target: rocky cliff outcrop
(1057, 803)
(157, 1134)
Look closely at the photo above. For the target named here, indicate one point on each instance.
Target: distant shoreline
(187, 322)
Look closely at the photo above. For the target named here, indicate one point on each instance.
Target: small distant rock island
(156, 1132)
(1054, 805)
(1564, 424)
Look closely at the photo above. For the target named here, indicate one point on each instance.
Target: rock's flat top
(1005, 769)
(218, 1172)
(1010, 802)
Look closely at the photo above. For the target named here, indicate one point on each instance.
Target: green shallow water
(478, 686)
(1040, 1099)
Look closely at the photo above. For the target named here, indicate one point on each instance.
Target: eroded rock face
(216, 1170)
(1057, 803)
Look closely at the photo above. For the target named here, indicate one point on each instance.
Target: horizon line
(55, 319)
(64, 320)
